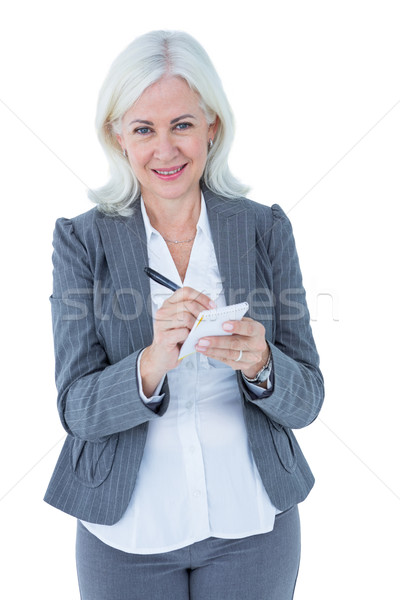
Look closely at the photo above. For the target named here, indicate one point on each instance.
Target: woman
(184, 475)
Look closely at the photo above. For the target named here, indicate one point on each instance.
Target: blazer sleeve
(96, 399)
(298, 390)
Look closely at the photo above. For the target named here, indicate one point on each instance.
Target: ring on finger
(240, 356)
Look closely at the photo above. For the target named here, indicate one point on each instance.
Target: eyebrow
(171, 122)
(181, 117)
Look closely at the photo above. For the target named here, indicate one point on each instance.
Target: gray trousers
(259, 567)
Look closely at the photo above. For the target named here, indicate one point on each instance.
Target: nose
(165, 147)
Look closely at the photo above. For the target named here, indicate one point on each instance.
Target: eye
(142, 130)
(183, 126)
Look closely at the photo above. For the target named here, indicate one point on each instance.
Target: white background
(315, 89)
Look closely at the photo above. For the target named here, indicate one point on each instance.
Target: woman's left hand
(246, 349)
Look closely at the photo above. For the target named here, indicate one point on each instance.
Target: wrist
(149, 375)
(260, 376)
(254, 369)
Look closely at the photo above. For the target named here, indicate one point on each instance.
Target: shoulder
(84, 228)
(271, 222)
(273, 212)
(80, 224)
(264, 213)
(266, 218)
(71, 235)
(86, 223)
(239, 204)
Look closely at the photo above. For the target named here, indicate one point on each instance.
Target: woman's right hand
(172, 324)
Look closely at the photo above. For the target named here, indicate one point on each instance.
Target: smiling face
(166, 134)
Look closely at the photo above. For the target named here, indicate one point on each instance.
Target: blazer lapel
(125, 246)
(233, 231)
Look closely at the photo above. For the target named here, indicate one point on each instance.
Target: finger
(246, 327)
(188, 294)
(232, 342)
(167, 318)
(234, 358)
(182, 312)
(222, 342)
(176, 308)
(228, 348)
(170, 338)
(193, 307)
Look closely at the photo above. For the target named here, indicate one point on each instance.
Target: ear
(213, 128)
(119, 139)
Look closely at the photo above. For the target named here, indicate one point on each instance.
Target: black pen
(155, 276)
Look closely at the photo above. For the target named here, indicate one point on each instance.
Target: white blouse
(197, 478)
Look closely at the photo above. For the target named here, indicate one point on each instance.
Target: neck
(173, 216)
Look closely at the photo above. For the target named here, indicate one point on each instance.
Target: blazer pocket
(282, 438)
(92, 461)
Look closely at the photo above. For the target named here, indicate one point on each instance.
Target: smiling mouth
(169, 172)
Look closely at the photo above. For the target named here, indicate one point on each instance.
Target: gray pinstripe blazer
(102, 320)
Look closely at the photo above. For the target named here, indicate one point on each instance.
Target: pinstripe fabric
(101, 321)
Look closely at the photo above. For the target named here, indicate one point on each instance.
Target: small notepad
(209, 322)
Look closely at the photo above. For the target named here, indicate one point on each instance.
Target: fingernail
(203, 343)
(227, 326)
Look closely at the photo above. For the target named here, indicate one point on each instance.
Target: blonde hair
(146, 60)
